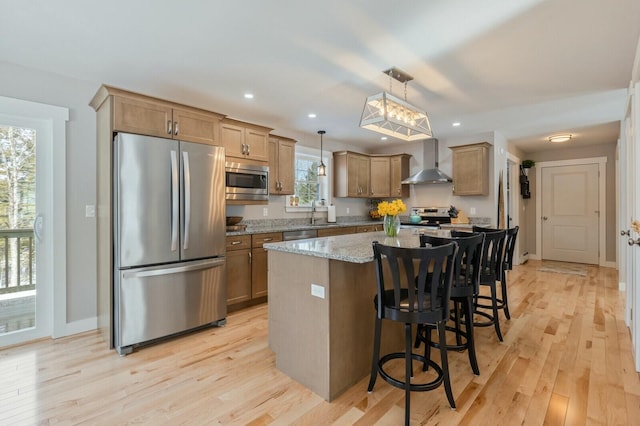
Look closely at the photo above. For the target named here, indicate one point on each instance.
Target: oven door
(246, 182)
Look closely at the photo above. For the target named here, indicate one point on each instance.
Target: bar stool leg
(494, 306)
(445, 364)
(376, 354)
(505, 303)
(471, 342)
(408, 372)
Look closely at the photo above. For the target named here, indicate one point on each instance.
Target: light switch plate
(90, 210)
(317, 291)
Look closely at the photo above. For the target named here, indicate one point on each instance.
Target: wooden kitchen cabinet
(374, 227)
(351, 174)
(470, 164)
(282, 153)
(259, 262)
(139, 114)
(379, 176)
(399, 170)
(244, 140)
(238, 269)
(332, 232)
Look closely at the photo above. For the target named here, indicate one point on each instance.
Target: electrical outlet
(265, 211)
(90, 210)
(348, 210)
(472, 210)
(317, 291)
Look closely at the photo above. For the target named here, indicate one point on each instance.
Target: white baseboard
(609, 265)
(81, 326)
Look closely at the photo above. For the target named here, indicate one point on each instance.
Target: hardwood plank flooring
(566, 360)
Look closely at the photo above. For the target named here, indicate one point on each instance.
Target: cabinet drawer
(238, 242)
(330, 232)
(257, 240)
(369, 228)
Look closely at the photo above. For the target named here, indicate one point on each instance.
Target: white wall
(32, 85)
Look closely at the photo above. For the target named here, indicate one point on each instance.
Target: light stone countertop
(354, 248)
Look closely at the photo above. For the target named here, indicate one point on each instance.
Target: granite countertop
(281, 227)
(354, 248)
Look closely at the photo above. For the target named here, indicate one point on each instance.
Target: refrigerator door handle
(187, 200)
(175, 204)
(155, 271)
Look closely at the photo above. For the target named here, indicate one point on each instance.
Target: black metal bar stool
(464, 287)
(491, 264)
(507, 265)
(413, 298)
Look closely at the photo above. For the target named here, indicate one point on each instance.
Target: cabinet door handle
(248, 149)
(235, 243)
(244, 149)
(169, 127)
(266, 240)
(175, 127)
(250, 258)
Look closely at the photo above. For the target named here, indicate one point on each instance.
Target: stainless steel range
(430, 216)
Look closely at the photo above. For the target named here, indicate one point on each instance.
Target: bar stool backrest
(466, 272)
(416, 276)
(492, 253)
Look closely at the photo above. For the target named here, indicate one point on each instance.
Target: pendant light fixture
(386, 114)
(322, 169)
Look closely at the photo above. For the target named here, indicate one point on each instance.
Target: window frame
(325, 182)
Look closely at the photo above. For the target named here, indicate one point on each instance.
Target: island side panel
(298, 321)
(352, 322)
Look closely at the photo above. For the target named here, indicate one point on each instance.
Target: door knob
(627, 232)
(544, 218)
(632, 242)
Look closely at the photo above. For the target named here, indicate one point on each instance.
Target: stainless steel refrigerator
(169, 238)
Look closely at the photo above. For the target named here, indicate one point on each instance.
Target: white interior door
(570, 213)
(633, 201)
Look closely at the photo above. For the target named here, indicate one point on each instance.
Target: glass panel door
(17, 217)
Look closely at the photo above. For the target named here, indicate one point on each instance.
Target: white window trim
(328, 161)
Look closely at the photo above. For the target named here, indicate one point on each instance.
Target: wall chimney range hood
(429, 175)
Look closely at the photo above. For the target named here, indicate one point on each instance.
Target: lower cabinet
(238, 269)
(259, 262)
(332, 232)
(247, 269)
(369, 228)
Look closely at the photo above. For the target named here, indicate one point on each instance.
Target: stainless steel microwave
(248, 182)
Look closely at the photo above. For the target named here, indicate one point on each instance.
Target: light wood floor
(566, 359)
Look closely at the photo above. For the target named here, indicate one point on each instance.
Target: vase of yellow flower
(390, 210)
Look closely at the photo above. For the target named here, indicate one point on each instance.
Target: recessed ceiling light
(312, 115)
(248, 95)
(456, 124)
(559, 138)
(384, 138)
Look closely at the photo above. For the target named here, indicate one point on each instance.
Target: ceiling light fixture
(311, 115)
(456, 124)
(248, 95)
(559, 138)
(322, 169)
(392, 116)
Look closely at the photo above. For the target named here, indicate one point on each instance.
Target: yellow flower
(391, 208)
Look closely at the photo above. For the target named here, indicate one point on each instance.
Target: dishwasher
(299, 235)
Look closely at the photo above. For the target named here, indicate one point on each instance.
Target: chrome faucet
(313, 210)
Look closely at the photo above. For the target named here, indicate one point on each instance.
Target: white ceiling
(526, 68)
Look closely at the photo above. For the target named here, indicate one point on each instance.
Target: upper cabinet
(379, 176)
(471, 169)
(399, 171)
(244, 140)
(370, 176)
(145, 115)
(282, 153)
(351, 173)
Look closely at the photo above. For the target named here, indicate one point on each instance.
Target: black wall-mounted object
(524, 184)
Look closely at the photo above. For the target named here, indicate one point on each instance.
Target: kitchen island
(321, 311)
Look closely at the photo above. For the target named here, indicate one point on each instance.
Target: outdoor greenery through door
(17, 214)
